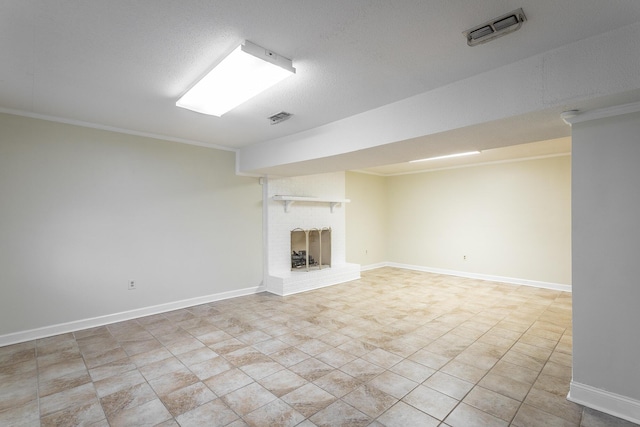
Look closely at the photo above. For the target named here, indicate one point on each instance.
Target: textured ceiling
(123, 64)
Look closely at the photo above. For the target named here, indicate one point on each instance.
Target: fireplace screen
(310, 249)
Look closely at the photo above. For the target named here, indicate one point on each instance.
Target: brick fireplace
(314, 204)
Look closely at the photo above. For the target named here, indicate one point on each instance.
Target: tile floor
(395, 348)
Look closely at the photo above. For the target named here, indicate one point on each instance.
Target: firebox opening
(310, 249)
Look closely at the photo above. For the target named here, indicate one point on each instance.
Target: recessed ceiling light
(448, 156)
(246, 72)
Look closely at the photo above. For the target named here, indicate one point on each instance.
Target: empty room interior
(428, 216)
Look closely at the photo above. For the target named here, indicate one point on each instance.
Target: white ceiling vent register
(495, 28)
(279, 117)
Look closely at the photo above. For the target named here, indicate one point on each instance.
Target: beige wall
(82, 211)
(509, 219)
(366, 218)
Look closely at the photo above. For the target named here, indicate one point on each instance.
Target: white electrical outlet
(131, 285)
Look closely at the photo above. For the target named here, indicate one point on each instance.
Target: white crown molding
(90, 125)
(605, 401)
(600, 113)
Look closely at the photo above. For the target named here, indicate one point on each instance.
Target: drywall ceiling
(122, 64)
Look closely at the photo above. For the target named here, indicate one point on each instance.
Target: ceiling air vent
(495, 28)
(279, 117)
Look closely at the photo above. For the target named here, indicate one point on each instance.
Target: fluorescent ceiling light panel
(248, 71)
(448, 156)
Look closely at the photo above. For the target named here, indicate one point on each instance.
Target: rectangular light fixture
(448, 156)
(246, 72)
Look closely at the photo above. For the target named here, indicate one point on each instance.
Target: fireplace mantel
(289, 200)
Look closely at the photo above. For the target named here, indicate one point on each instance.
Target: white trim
(602, 113)
(115, 129)
(468, 165)
(373, 266)
(76, 325)
(605, 401)
(489, 277)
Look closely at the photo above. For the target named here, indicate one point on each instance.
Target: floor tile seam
(477, 383)
(38, 377)
(533, 383)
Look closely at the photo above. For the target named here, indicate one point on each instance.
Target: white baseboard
(605, 401)
(373, 266)
(76, 325)
(492, 278)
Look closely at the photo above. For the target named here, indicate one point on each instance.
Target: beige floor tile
(228, 381)
(83, 394)
(118, 382)
(152, 356)
(382, 358)
(337, 383)
(468, 416)
(214, 413)
(196, 356)
(449, 385)
(557, 370)
(26, 415)
(393, 384)
(515, 372)
(93, 360)
(506, 386)
(47, 387)
(150, 413)
(289, 356)
(528, 416)
(270, 346)
(261, 370)
(208, 368)
(175, 380)
(282, 382)
(340, 414)
(403, 415)
(161, 367)
(308, 399)
(429, 359)
(276, 414)
(81, 414)
(248, 398)
(185, 399)
(412, 370)
(431, 402)
(17, 390)
(362, 370)
(127, 399)
(554, 385)
(111, 369)
(336, 357)
(370, 400)
(555, 405)
(311, 369)
(492, 403)
(17, 353)
(464, 371)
